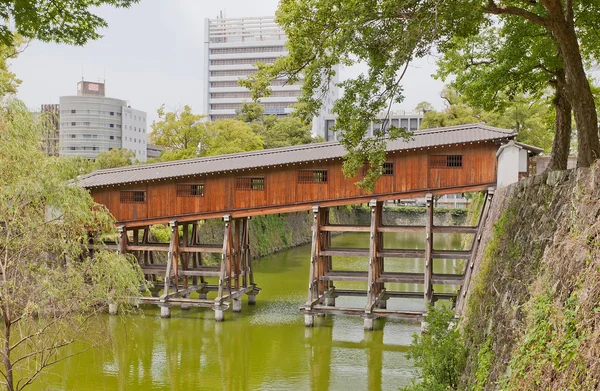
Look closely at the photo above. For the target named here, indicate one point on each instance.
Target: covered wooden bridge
(309, 177)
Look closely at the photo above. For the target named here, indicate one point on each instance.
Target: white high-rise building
(231, 48)
(91, 123)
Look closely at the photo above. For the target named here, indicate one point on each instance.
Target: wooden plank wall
(411, 173)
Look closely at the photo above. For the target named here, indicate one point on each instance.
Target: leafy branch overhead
(61, 21)
(387, 35)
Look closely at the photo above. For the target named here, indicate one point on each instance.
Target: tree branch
(493, 8)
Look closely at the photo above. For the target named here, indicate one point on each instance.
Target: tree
(388, 34)
(50, 287)
(286, 132)
(115, 158)
(253, 113)
(530, 118)
(230, 136)
(180, 132)
(490, 76)
(60, 21)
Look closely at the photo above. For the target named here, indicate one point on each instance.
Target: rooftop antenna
(81, 72)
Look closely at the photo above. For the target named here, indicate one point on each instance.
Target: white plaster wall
(522, 160)
(508, 165)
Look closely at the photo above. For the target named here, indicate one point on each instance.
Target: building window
(250, 183)
(133, 196)
(112, 125)
(445, 161)
(312, 176)
(73, 111)
(112, 113)
(112, 137)
(193, 190)
(73, 136)
(72, 123)
(387, 169)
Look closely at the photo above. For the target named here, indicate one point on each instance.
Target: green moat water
(266, 347)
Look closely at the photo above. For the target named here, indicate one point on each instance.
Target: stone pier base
(237, 305)
(113, 309)
(251, 299)
(369, 324)
(165, 310)
(219, 315)
(309, 320)
(330, 301)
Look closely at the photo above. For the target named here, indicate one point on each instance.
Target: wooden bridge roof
(460, 134)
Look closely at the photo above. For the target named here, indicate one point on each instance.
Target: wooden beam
(345, 228)
(313, 274)
(462, 295)
(373, 248)
(428, 288)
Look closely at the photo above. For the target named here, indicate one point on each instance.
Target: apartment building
(231, 48)
(91, 123)
(399, 119)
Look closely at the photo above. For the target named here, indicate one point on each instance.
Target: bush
(438, 352)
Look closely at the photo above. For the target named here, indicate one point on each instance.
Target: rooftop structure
(92, 123)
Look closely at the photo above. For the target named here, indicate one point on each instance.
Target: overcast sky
(152, 53)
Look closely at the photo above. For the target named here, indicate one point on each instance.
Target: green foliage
(286, 132)
(438, 352)
(530, 117)
(50, 286)
(230, 136)
(551, 342)
(61, 21)
(115, 158)
(485, 357)
(8, 80)
(180, 132)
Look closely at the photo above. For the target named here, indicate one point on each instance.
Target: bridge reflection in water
(265, 347)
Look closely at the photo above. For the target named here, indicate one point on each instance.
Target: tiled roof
(272, 157)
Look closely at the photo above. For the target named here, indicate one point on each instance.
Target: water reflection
(266, 347)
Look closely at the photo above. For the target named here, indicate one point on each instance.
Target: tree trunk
(578, 88)
(562, 137)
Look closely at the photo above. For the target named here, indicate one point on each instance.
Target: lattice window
(190, 190)
(387, 169)
(250, 183)
(312, 176)
(133, 196)
(445, 161)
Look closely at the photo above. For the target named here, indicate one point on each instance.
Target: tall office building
(91, 123)
(231, 48)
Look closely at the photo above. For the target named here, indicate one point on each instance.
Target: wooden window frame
(387, 169)
(132, 197)
(451, 161)
(312, 176)
(190, 190)
(254, 183)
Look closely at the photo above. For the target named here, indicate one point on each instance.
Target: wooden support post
(309, 320)
(224, 275)
(373, 273)
(171, 259)
(194, 255)
(145, 240)
(380, 286)
(122, 230)
(136, 241)
(428, 287)
(462, 294)
(235, 267)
